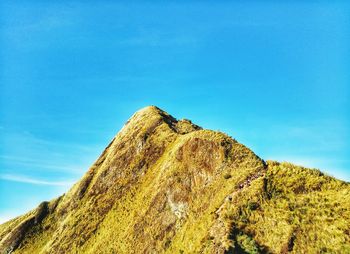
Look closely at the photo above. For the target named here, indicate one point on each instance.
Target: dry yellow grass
(167, 186)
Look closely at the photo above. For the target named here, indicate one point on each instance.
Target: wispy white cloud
(23, 151)
(39, 164)
(26, 137)
(7, 216)
(30, 180)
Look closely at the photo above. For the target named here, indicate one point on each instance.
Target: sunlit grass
(164, 186)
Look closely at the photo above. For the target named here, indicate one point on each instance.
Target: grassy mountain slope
(167, 186)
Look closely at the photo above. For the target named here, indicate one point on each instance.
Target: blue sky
(275, 76)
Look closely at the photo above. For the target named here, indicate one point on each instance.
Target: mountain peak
(149, 109)
(167, 186)
(150, 112)
(153, 116)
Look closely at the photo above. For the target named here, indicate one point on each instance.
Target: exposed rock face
(168, 186)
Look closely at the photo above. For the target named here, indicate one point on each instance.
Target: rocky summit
(168, 186)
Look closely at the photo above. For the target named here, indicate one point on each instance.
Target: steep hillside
(168, 186)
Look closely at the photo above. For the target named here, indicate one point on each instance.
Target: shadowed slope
(164, 185)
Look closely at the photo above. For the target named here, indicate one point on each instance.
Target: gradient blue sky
(275, 76)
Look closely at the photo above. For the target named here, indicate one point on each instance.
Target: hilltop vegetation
(168, 186)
